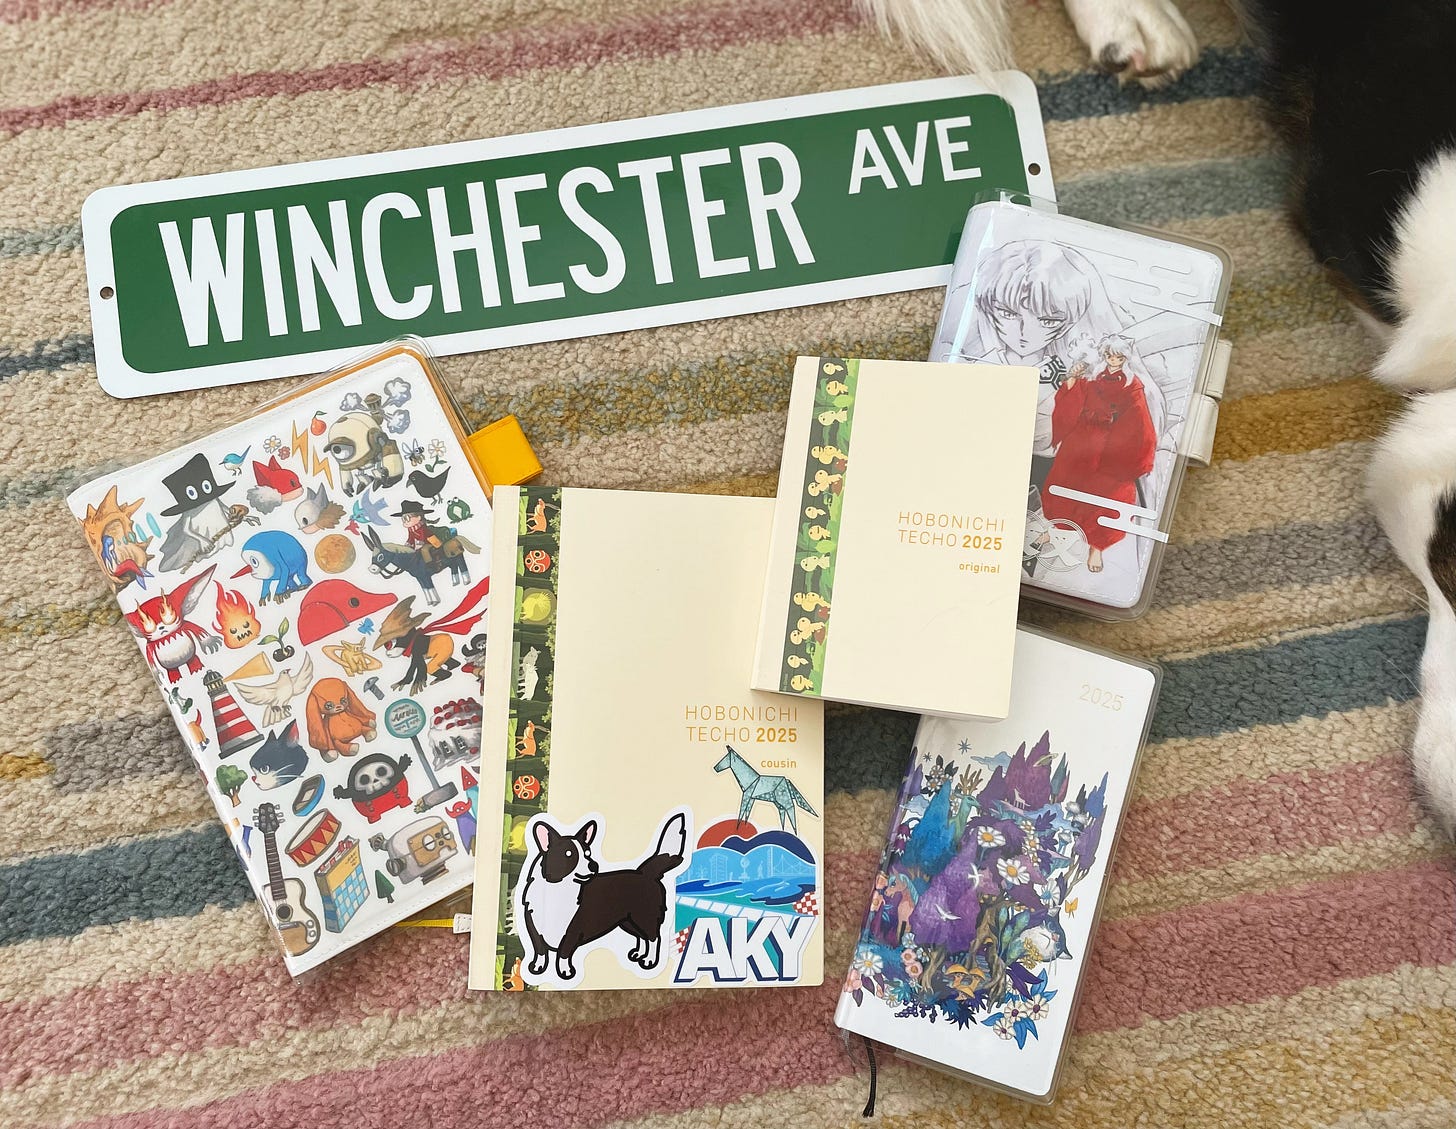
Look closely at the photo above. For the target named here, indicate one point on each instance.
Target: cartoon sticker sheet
(308, 589)
(981, 914)
(1118, 324)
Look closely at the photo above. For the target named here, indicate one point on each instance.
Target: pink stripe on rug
(705, 1054)
(1274, 815)
(1261, 946)
(493, 57)
(1240, 821)
(96, 1028)
(1222, 954)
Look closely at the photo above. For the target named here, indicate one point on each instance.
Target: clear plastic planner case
(1122, 324)
(307, 587)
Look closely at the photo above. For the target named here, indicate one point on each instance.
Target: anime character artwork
(1117, 362)
(1105, 444)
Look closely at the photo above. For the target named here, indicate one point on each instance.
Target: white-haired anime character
(1105, 440)
(1043, 304)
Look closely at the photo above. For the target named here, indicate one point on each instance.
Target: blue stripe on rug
(1313, 675)
(1308, 676)
(169, 876)
(1222, 72)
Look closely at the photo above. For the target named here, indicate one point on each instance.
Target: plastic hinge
(1218, 370)
(1198, 435)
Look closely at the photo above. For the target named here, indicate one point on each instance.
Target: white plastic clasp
(1124, 512)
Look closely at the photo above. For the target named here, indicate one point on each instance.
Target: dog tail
(963, 36)
(672, 845)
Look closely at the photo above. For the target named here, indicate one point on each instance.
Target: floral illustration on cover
(965, 922)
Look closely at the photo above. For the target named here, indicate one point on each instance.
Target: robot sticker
(420, 851)
(365, 455)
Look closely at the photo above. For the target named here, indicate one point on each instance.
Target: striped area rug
(1279, 947)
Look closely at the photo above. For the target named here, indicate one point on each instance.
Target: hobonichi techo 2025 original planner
(308, 588)
(894, 572)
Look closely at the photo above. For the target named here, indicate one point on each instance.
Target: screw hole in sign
(108, 292)
(1033, 168)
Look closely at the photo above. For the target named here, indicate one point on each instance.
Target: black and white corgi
(568, 901)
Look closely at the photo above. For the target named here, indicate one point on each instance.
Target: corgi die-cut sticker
(569, 904)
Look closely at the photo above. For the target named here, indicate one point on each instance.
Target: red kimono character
(1105, 442)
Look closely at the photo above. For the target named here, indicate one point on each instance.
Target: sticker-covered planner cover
(308, 588)
(988, 890)
(653, 823)
(1118, 324)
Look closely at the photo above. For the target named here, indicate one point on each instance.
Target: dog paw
(537, 967)
(1143, 41)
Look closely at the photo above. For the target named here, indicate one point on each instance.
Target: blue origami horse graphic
(777, 790)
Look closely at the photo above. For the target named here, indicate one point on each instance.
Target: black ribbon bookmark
(869, 1109)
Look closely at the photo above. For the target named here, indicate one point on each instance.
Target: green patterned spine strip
(821, 500)
(533, 649)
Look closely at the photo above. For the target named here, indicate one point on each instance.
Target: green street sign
(595, 229)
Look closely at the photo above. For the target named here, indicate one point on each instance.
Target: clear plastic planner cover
(1121, 325)
(307, 588)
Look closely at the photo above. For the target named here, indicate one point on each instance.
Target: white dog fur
(1414, 467)
(1148, 41)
